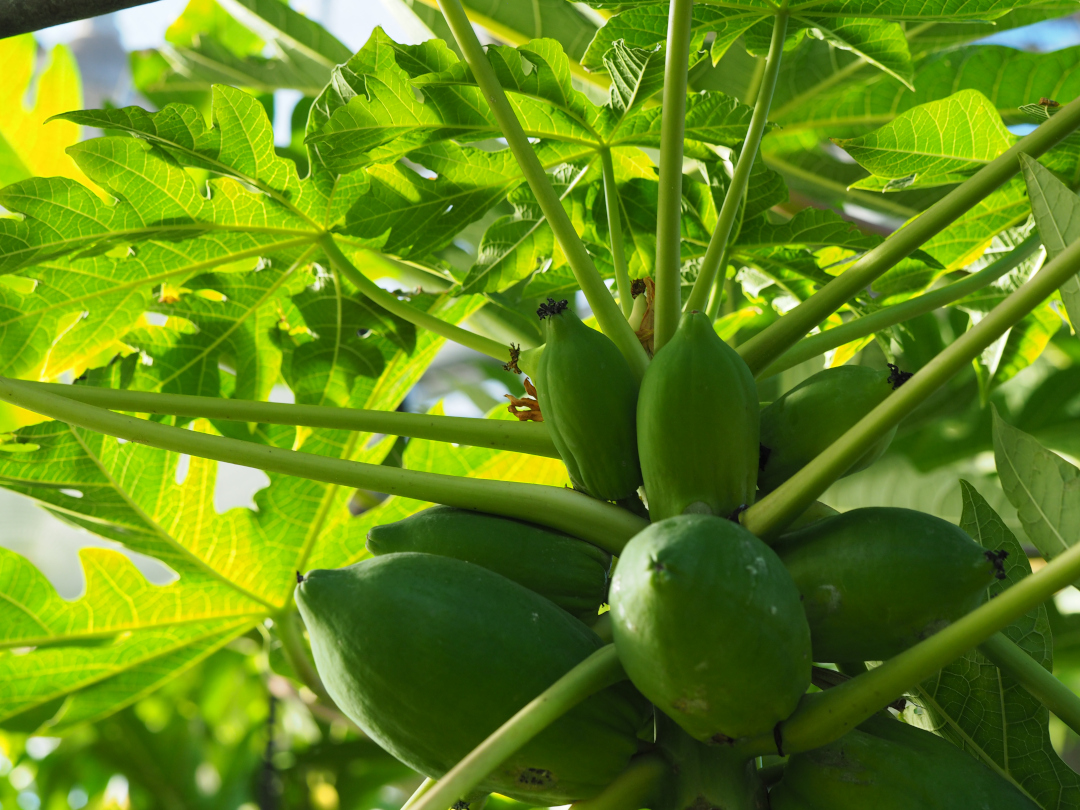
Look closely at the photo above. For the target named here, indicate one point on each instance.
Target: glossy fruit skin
(570, 572)
(888, 765)
(708, 625)
(429, 655)
(588, 396)
(878, 580)
(698, 425)
(815, 413)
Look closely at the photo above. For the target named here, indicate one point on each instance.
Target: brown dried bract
(645, 331)
(1049, 102)
(515, 353)
(526, 408)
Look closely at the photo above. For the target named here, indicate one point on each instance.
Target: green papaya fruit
(570, 572)
(888, 765)
(698, 425)
(708, 625)
(429, 655)
(588, 396)
(877, 580)
(815, 413)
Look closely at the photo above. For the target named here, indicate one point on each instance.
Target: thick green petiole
(764, 348)
(667, 304)
(519, 437)
(769, 516)
(406, 311)
(598, 671)
(614, 218)
(607, 312)
(718, 242)
(1062, 702)
(812, 346)
(822, 718)
(601, 523)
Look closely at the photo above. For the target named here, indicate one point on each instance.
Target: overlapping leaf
(1057, 215)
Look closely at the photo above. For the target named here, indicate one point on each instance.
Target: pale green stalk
(519, 437)
(1062, 702)
(812, 346)
(598, 671)
(607, 312)
(769, 516)
(718, 242)
(764, 348)
(598, 522)
(406, 311)
(640, 785)
(614, 218)
(827, 716)
(419, 793)
(667, 304)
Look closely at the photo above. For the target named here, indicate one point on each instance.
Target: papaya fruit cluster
(458, 619)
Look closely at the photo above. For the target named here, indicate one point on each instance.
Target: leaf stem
(814, 345)
(1036, 679)
(406, 311)
(607, 312)
(667, 303)
(598, 671)
(518, 437)
(714, 254)
(827, 716)
(640, 785)
(769, 516)
(598, 522)
(614, 218)
(764, 348)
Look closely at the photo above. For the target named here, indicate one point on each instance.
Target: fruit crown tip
(898, 377)
(299, 578)
(552, 307)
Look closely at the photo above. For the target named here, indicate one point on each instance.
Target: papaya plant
(628, 589)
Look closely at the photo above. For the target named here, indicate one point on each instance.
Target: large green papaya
(588, 396)
(888, 765)
(570, 572)
(877, 580)
(818, 411)
(698, 425)
(429, 655)
(708, 625)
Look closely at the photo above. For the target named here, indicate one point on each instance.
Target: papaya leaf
(1017, 349)
(983, 710)
(937, 143)
(26, 147)
(636, 74)
(1057, 215)
(1044, 488)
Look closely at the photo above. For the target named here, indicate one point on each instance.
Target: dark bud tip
(997, 559)
(299, 577)
(552, 307)
(637, 287)
(515, 354)
(898, 377)
(734, 516)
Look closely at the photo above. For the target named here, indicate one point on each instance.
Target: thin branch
(614, 217)
(769, 516)
(406, 311)
(764, 348)
(718, 242)
(812, 346)
(607, 312)
(598, 522)
(667, 303)
(519, 437)
(598, 671)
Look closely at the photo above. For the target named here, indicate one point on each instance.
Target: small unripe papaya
(570, 572)
(429, 655)
(888, 765)
(878, 580)
(708, 625)
(698, 425)
(588, 396)
(815, 413)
